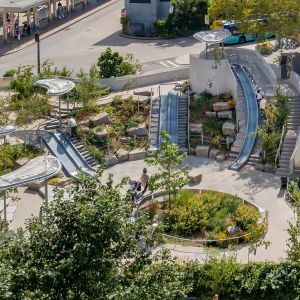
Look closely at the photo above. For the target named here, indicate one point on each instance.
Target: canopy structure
(39, 168)
(4, 130)
(213, 36)
(56, 87)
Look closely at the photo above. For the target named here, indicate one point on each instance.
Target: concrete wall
(146, 13)
(148, 78)
(295, 80)
(204, 76)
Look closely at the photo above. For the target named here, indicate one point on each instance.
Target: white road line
(171, 63)
(162, 63)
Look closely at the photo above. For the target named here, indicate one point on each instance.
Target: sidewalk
(57, 25)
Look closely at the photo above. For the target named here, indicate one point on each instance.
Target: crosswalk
(160, 64)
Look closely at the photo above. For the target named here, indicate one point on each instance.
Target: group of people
(261, 102)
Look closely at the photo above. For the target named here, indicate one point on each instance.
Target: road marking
(171, 63)
(162, 63)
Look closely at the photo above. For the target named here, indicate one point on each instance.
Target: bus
(236, 37)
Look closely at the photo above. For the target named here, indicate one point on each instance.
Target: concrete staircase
(154, 123)
(290, 138)
(182, 122)
(84, 152)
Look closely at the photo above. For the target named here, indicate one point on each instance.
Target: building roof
(19, 5)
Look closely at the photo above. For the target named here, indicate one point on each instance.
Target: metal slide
(169, 115)
(252, 120)
(68, 155)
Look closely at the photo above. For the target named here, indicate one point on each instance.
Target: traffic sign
(8, 25)
(123, 12)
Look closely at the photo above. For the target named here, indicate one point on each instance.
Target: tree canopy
(280, 17)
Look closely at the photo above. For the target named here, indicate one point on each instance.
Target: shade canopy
(4, 130)
(56, 87)
(39, 168)
(213, 36)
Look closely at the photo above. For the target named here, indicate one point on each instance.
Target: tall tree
(279, 17)
(170, 176)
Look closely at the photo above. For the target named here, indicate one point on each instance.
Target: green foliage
(170, 176)
(48, 70)
(264, 48)
(9, 73)
(205, 101)
(293, 242)
(293, 188)
(187, 18)
(113, 64)
(125, 23)
(10, 153)
(208, 214)
(3, 111)
(160, 28)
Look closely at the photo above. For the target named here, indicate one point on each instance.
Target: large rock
(202, 151)
(228, 128)
(213, 153)
(194, 176)
(111, 160)
(141, 130)
(196, 128)
(84, 129)
(101, 134)
(227, 114)
(125, 139)
(122, 155)
(221, 106)
(220, 157)
(210, 114)
(101, 118)
(137, 154)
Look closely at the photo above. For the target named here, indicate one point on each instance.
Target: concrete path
(261, 188)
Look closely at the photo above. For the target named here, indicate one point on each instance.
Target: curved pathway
(261, 188)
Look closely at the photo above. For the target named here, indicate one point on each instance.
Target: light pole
(37, 40)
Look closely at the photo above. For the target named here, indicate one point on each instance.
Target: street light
(37, 40)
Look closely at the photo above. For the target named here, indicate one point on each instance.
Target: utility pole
(37, 40)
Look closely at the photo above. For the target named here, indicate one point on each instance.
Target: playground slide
(252, 120)
(169, 115)
(70, 158)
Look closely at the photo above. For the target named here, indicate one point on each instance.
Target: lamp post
(37, 40)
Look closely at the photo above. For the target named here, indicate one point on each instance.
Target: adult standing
(144, 181)
(73, 126)
(28, 29)
(259, 95)
(262, 105)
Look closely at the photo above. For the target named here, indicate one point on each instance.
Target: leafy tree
(166, 159)
(293, 242)
(281, 16)
(3, 111)
(113, 64)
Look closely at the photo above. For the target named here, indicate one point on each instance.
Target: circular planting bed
(205, 216)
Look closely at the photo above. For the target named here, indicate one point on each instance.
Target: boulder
(21, 162)
(84, 128)
(141, 130)
(101, 118)
(101, 134)
(228, 128)
(194, 176)
(210, 114)
(125, 139)
(220, 157)
(196, 128)
(122, 155)
(227, 114)
(213, 153)
(111, 160)
(202, 151)
(221, 106)
(137, 154)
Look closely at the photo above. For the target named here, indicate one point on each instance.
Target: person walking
(144, 181)
(28, 29)
(259, 95)
(73, 127)
(262, 105)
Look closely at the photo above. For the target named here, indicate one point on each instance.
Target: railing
(292, 159)
(188, 121)
(280, 146)
(150, 120)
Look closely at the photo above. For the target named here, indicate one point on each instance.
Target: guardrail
(280, 146)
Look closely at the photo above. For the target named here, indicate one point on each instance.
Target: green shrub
(245, 216)
(160, 27)
(264, 48)
(9, 73)
(293, 188)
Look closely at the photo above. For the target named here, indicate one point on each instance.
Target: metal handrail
(150, 120)
(280, 145)
(188, 121)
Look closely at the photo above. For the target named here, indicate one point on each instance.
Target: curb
(62, 27)
(139, 38)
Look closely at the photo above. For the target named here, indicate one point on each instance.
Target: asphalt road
(80, 45)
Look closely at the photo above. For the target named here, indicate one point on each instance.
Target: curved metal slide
(169, 115)
(68, 155)
(252, 120)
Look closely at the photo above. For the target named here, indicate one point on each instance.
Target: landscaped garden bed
(213, 117)
(210, 217)
(293, 190)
